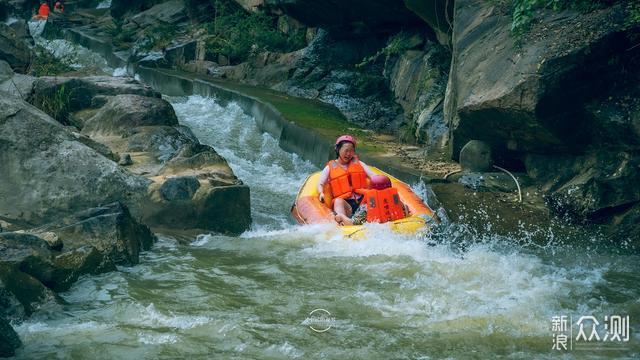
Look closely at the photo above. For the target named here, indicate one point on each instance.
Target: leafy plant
(633, 13)
(57, 104)
(367, 85)
(121, 36)
(396, 45)
(237, 34)
(524, 11)
(45, 64)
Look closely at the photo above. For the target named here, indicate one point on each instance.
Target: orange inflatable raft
(307, 208)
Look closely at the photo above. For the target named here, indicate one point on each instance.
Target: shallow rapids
(388, 296)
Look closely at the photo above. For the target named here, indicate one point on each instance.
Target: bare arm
(370, 173)
(324, 176)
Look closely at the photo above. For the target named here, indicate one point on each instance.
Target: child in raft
(381, 203)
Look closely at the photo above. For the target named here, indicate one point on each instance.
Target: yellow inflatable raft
(307, 208)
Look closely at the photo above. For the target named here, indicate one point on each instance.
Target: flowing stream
(450, 295)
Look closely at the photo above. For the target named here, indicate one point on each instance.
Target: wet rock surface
(13, 49)
(9, 340)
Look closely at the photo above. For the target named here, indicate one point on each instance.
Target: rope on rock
(514, 179)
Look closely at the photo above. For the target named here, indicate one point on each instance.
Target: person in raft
(381, 203)
(347, 177)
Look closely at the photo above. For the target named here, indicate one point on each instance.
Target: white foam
(157, 339)
(121, 71)
(273, 175)
(150, 316)
(105, 4)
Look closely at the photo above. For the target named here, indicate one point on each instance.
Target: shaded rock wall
(563, 102)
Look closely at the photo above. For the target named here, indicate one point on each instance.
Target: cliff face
(564, 102)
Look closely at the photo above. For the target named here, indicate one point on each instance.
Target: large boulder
(193, 187)
(530, 98)
(124, 112)
(418, 79)
(75, 93)
(52, 257)
(46, 173)
(169, 12)
(13, 49)
(588, 187)
(9, 340)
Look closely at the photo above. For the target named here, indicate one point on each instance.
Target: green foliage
(407, 132)
(56, 104)
(524, 11)
(396, 45)
(121, 37)
(237, 34)
(633, 13)
(45, 64)
(162, 35)
(368, 84)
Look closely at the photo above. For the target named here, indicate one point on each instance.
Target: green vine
(396, 45)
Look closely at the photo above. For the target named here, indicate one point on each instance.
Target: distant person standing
(58, 7)
(43, 11)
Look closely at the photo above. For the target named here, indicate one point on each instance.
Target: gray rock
(52, 239)
(161, 142)
(490, 181)
(10, 307)
(476, 156)
(79, 92)
(169, 12)
(222, 209)
(125, 160)
(13, 49)
(588, 187)
(110, 229)
(179, 188)
(18, 85)
(6, 72)
(529, 98)
(28, 290)
(9, 339)
(45, 173)
(124, 112)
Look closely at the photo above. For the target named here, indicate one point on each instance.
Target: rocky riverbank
(89, 165)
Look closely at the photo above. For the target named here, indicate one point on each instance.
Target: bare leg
(343, 212)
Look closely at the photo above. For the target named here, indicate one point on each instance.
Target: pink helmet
(348, 138)
(380, 182)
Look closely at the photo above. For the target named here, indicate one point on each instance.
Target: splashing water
(454, 294)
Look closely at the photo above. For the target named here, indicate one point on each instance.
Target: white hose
(514, 179)
(451, 173)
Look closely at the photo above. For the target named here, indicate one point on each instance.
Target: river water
(452, 294)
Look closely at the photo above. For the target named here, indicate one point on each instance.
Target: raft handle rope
(499, 168)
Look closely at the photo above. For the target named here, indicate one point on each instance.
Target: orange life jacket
(344, 182)
(383, 205)
(43, 11)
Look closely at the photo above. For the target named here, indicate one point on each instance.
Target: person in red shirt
(43, 11)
